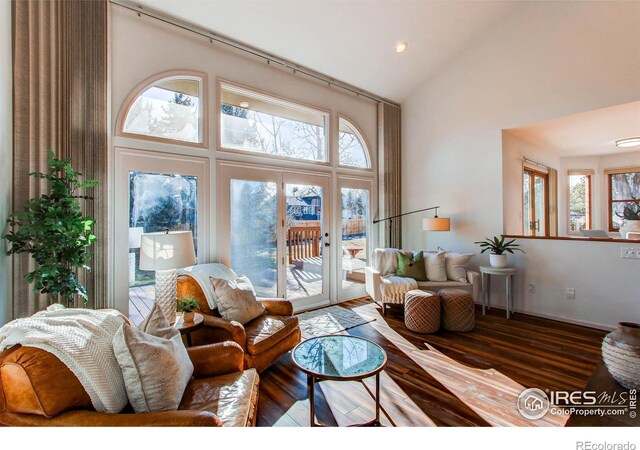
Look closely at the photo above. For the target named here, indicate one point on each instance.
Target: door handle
(327, 244)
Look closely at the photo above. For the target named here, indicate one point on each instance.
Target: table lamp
(164, 253)
(135, 235)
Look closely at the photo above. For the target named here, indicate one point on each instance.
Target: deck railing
(303, 242)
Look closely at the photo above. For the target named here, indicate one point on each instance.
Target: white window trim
(284, 101)
(203, 102)
(363, 142)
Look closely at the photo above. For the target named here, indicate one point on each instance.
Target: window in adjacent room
(259, 123)
(580, 217)
(352, 149)
(169, 108)
(535, 203)
(624, 191)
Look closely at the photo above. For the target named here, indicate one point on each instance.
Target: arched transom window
(170, 108)
(352, 149)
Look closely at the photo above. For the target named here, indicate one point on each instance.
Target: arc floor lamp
(434, 223)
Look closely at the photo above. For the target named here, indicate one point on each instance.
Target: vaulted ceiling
(352, 41)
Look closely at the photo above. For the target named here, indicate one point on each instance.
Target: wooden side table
(186, 328)
(510, 274)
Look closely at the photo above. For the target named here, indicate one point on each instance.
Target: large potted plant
(630, 221)
(54, 231)
(498, 246)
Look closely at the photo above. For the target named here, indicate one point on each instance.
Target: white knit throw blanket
(83, 340)
(394, 288)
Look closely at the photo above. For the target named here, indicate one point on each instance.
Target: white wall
(548, 60)
(6, 152)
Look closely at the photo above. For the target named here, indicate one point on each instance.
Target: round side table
(510, 275)
(185, 328)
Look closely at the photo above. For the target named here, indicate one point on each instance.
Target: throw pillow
(411, 266)
(456, 265)
(156, 324)
(156, 370)
(236, 300)
(435, 266)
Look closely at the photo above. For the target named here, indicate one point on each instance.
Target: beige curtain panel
(60, 104)
(389, 174)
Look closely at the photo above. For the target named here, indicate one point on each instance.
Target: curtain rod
(536, 162)
(212, 36)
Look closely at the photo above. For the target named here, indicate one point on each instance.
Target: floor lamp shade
(164, 253)
(436, 224)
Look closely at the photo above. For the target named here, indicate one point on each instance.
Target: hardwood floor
(530, 351)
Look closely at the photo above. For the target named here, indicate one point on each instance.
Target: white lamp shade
(135, 235)
(166, 251)
(436, 224)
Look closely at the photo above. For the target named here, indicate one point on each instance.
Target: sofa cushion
(35, 381)
(232, 397)
(156, 370)
(384, 260)
(236, 299)
(266, 331)
(431, 285)
(456, 265)
(435, 266)
(411, 265)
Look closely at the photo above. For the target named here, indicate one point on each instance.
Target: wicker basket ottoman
(422, 311)
(458, 310)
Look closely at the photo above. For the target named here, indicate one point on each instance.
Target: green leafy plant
(54, 231)
(498, 245)
(187, 304)
(630, 211)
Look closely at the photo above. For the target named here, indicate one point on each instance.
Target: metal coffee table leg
(312, 399)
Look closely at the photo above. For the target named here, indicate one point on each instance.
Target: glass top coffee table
(340, 358)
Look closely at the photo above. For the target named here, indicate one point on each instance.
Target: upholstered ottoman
(422, 311)
(458, 310)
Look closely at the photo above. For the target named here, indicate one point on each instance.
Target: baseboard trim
(582, 323)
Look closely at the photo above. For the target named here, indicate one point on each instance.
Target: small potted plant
(187, 305)
(498, 247)
(631, 221)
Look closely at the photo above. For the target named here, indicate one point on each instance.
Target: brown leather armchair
(264, 339)
(37, 389)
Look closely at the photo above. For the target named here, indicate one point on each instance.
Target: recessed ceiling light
(401, 47)
(244, 104)
(628, 142)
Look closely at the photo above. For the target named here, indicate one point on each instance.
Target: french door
(534, 203)
(354, 236)
(274, 227)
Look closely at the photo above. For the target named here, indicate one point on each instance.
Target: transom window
(259, 123)
(352, 149)
(624, 197)
(168, 109)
